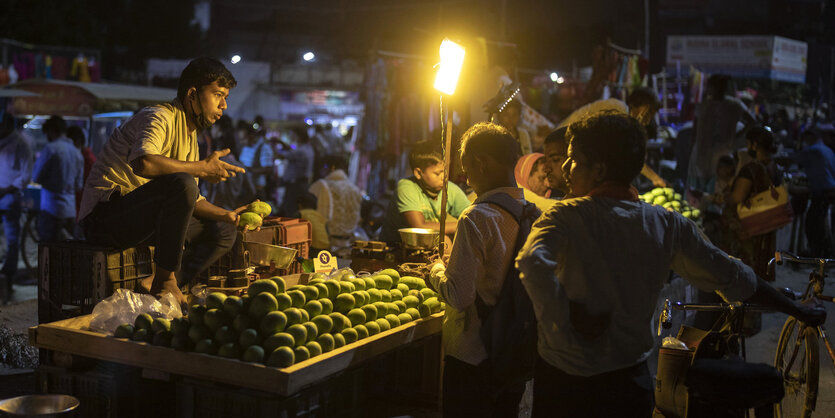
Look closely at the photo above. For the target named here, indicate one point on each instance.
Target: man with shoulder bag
(489, 331)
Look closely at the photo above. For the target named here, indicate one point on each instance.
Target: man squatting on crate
(593, 267)
(143, 188)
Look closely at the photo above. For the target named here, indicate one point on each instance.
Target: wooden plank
(73, 336)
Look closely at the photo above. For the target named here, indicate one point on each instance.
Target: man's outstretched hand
(216, 170)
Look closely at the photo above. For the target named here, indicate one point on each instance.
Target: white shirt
(339, 201)
(480, 257)
(15, 161)
(155, 130)
(612, 257)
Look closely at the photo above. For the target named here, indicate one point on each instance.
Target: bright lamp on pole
(452, 59)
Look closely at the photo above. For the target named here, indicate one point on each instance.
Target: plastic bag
(123, 306)
(339, 274)
(674, 343)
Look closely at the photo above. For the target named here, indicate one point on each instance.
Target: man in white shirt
(593, 267)
(143, 188)
(481, 256)
(339, 201)
(15, 172)
(59, 169)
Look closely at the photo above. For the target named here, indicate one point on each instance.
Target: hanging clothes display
(94, 70)
(396, 116)
(40, 67)
(24, 64)
(60, 68)
(48, 66)
(80, 70)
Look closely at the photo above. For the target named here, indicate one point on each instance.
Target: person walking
(59, 170)
(15, 173)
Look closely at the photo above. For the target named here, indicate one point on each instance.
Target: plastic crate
(73, 276)
(110, 390)
(340, 395)
(100, 395)
(293, 231)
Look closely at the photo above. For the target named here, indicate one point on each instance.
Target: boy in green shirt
(417, 201)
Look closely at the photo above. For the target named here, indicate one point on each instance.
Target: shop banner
(771, 57)
(54, 99)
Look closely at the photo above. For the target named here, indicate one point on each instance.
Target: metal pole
(646, 29)
(446, 141)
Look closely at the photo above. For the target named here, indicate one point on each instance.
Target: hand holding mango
(250, 221)
(263, 209)
(254, 215)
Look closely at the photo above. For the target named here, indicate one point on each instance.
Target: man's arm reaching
(204, 209)
(212, 168)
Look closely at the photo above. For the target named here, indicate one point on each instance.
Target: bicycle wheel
(29, 242)
(797, 358)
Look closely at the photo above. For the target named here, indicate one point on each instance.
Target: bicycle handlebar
(666, 321)
(719, 307)
(780, 255)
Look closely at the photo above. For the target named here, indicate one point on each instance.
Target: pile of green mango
(279, 326)
(254, 215)
(672, 201)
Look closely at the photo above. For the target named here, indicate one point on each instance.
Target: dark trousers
(620, 393)
(10, 210)
(467, 393)
(818, 235)
(52, 228)
(292, 192)
(159, 213)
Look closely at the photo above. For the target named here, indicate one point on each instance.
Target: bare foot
(167, 283)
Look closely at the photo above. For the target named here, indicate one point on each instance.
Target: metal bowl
(419, 237)
(266, 254)
(39, 405)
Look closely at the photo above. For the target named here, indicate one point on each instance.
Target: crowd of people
(563, 223)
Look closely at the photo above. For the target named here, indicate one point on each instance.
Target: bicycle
(711, 378)
(28, 239)
(798, 353)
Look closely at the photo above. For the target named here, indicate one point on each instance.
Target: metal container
(419, 237)
(237, 282)
(236, 273)
(39, 406)
(217, 281)
(266, 254)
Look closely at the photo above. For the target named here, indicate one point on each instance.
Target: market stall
(279, 343)
(398, 362)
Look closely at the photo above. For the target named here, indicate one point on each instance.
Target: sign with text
(324, 262)
(748, 56)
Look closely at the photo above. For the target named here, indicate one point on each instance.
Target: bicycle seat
(733, 384)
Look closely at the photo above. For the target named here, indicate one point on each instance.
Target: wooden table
(74, 337)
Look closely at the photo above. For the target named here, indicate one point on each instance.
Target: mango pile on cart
(280, 327)
(672, 201)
